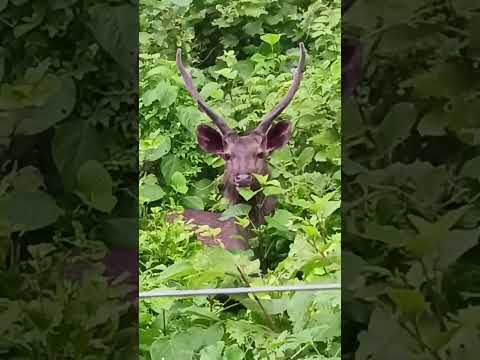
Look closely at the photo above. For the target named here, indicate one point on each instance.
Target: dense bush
(68, 178)
(242, 54)
(411, 182)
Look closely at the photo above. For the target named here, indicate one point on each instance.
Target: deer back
(231, 236)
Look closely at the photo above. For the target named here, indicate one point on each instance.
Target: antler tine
(187, 79)
(297, 77)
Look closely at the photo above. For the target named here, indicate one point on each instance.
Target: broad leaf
(74, 143)
(121, 232)
(179, 183)
(150, 192)
(236, 210)
(271, 39)
(58, 107)
(155, 148)
(164, 93)
(247, 193)
(193, 202)
(112, 27)
(28, 211)
(95, 186)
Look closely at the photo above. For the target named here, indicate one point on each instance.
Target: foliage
(69, 168)
(241, 54)
(411, 164)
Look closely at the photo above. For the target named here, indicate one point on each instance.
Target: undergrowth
(242, 54)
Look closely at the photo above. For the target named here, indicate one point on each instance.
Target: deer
(244, 156)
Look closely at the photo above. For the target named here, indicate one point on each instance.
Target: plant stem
(267, 316)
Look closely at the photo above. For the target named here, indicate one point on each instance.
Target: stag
(244, 155)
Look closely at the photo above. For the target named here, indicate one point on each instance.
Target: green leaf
(150, 192)
(410, 302)
(247, 193)
(121, 232)
(181, 3)
(433, 124)
(193, 202)
(385, 338)
(305, 157)
(3, 5)
(227, 73)
(297, 307)
(253, 10)
(28, 211)
(281, 156)
(253, 28)
(150, 179)
(164, 93)
(74, 143)
(212, 89)
(273, 190)
(111, 26)
(354, 126)
(35, 20)
(236, 210)
(471, 169)
(320, 156)
(179, 183)
(280, 219)
(95, 186)
(433, 235)
(58, 107)
(323, 206)
(40, 250)
(271, 39)
(245, 69)
(396, 126)
(61, 4)
(165, 348)
(387, 234)
(446, 80)
(170, 165)
(212, 352)
(190, 117)
(155, 148)
(470, 316)
(262, 179)
(455, 245)
(233, 352)
(28, 178)
(203, 188)
(183, 345)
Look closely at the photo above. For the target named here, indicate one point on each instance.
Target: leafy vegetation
(68, 178)
(411, 169)
(241, 54)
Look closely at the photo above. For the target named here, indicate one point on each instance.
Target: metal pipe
(237, 291)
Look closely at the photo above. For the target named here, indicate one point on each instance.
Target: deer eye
(227, 156)
(261, 155)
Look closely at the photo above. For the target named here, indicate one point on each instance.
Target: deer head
(244, 154)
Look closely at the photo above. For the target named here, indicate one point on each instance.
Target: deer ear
(210, 139)
(278, 135)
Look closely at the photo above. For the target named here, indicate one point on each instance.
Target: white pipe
(237, 291)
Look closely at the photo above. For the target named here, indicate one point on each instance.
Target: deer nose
(243, 180)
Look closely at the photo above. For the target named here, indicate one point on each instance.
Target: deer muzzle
(243, 180)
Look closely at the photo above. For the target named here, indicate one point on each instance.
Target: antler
(187, 79)
(297, 77)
